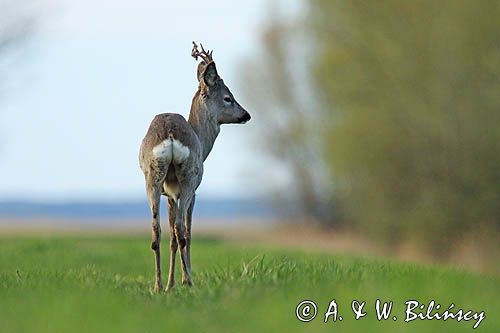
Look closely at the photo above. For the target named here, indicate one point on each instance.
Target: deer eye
(227, 99)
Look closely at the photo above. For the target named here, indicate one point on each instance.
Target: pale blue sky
(96, 74)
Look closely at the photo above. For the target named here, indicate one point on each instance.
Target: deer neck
(204, 123)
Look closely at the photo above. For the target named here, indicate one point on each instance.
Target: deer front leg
(173, 243)
(154, 193)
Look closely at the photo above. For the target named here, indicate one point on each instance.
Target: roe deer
(172, 155)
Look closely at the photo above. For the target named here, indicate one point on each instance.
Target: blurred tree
(16, 25)
(414, 87)
(279, 83)
(410, 120)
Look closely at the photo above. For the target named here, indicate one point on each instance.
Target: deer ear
(200, 70)
(210, 74)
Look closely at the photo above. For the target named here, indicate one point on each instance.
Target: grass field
(103, 284)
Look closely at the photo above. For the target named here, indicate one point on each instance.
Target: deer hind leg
(172, 209)
(183, 205)
(153, 189)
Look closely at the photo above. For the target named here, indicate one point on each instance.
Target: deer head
(217, 96)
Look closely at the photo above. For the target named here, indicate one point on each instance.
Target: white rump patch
(180, 152)
(171, 150)
(163, 150)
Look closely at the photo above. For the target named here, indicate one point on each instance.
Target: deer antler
(205, 55)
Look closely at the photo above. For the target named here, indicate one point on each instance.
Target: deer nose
(246, 117)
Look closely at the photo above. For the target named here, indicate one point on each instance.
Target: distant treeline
(205, 208)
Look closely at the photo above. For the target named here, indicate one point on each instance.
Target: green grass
(103, 284)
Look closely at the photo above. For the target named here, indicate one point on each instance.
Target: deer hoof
(187, 283)
(158, 287)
